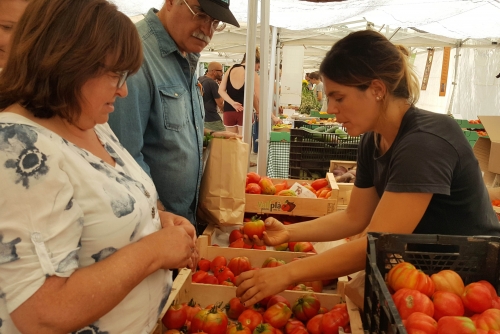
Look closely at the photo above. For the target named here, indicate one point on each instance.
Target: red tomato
(234, 308)
(495, 303)
(224, 274)
(489, 319)
(173, 331)
(281, 186)
(272, 262)
(250, 319)
(306, 307)
(301, 287)
(293, 324)
(456, 325)
(209, 279)
(448, 280)
(302, 246)
(277, 298)
(235, 235)
(218, 261)
(476, 297)
(238, 328)
(314, 324)
(265, 329)
(333, 320)
(239, 243)
(253, 228)
(191, 309)
(211, 321)
(204, 264)
(199, 276)
(490, 287)
(278, 314)
(298, 330)
(316, 286)
(227, 282)
(291, 245)
(175, 317)
(253, 188)
(447, 303)
(319, 183)
(404, 275)
(263, 247)
(239, 265)
(258, 307)
(409, 301)
(322, 310)
(419, 322)
(253, 177)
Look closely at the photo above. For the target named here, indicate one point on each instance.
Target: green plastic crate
(280, 136)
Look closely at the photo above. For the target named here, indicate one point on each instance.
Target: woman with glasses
(84, 247)
(10, 13)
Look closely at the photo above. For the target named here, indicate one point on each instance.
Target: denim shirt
(160, 122)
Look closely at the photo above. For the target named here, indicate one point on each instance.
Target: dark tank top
(237, 95)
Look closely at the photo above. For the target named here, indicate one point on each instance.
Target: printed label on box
(302, 191)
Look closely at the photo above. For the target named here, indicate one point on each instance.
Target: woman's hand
(226, 134)
(255, 285)
(275, 234)
(237, 106)
(276, 120)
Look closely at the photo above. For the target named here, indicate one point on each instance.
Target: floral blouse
(62, 208)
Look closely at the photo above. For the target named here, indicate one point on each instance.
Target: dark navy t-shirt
(431, 155)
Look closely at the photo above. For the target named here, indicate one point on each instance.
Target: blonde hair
(257, 56)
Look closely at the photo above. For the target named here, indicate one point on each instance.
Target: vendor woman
(416, 172)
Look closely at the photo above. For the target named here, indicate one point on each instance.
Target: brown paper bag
(222, 190)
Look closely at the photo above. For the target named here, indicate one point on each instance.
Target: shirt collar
(165, 42)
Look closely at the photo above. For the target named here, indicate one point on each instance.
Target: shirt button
(175, 94)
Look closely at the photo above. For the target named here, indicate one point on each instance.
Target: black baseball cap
(219, 10)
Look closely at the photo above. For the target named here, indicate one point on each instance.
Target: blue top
(160, 122)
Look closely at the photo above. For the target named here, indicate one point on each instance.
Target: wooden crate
(344, 189)
(184, 290)
(306, 207)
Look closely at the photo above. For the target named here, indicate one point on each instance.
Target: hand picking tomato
(256, 227)
(175, 317)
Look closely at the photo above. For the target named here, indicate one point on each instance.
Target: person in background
(310, 86)
(84, 247)
(211, 98)
(161, 122)
(10, 13)
(416, 172)
(319, 90)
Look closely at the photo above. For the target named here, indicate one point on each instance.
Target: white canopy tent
(470, 27)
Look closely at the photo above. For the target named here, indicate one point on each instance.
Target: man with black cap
(161, 121)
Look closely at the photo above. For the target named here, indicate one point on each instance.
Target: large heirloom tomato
(239, 264)
(419, 322)
(448, 280)
(476, 297)
(447, 303)
(234, 308)
(211, 321)
(277, 315)
(191, 309)
(238, 328)
(293, 324)
(489, 319)
(272, 262)
(175, 317)
(404, 275)
(253, 177)
(456, 325)
(306, 307)
(264, 329)
(217, 262)
(255, 227)
(314, 324)
(250, 318)
(333, 320)
(409, 301)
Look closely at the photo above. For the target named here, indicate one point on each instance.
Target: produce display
(256, 184)
(274, 315)
(344, 174)
(441, 303)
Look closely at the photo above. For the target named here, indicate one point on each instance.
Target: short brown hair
(314, 75)
(366, 55)
(59, 45)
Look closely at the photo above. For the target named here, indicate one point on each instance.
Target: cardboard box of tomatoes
(280, 200)
(448, 283)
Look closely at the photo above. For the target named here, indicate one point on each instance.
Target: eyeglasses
(204, 18)
(122, 77)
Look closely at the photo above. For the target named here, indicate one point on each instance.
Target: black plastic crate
(473, 258)
(322, 146)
